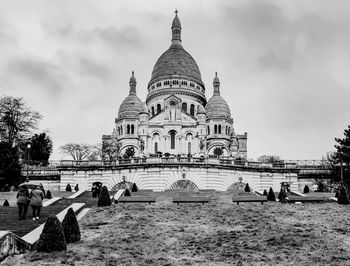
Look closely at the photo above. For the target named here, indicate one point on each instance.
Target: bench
(202, 200)
(249, 199)
(137, 199)
(307, 199)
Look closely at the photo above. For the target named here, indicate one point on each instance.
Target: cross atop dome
(176, 12)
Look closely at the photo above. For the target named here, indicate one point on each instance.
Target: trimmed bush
(134, 188)
(127, 193)
(306, 189)
(104, 199)
(71, 227)
(247, 188)
(6, 203)
(343, 197)
(52, 236)
(48, 194)
(76, 188)
(271, 195)
(265, 192)
(68, 188)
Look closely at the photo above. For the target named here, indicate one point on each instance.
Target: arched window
(208, 130)
(172, 139)
(132, 129)
(192, 110)
(152, 109)
(155, 147)
(189, 148)
(189, 136)
(159, 109)
(215, 129)
(121, 130)
(184, 107)
(128, 129)
(219, 129)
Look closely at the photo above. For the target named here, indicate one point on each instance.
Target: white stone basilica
(176, 118)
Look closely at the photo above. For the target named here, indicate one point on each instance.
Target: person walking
(22, 202)
(36, 201)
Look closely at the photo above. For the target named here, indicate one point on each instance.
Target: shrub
(271, 195)
(52, 237)
(265, 192)
(104, 199)
(134, 188)
(127, 193)
(71, 227)
(6, 203)
(306, 189)
(343, 196)
(76, 188)
(48, 194)
(68, 188)
(247, 188)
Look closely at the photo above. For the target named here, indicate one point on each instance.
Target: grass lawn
(218, 233)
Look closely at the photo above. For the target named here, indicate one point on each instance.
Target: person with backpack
(36, 201)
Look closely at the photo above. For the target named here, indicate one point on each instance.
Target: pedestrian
(36, 201)
(6, 188)
(94, 190)
(22, 202)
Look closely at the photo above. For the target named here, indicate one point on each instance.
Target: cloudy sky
(283, 65)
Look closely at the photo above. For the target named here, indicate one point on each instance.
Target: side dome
(132, 105)
(217, 107)
(144, 109)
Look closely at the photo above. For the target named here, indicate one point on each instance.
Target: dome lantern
(132, 83)
(176, 30)
(216, 84)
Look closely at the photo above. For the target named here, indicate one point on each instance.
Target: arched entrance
(122, 185)
(184, 185)
(237, 186)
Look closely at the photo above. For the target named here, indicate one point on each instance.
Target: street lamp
(28, 149)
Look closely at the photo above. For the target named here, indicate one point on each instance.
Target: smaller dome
(201, 109)
(144, 109)
(130, 107)
(217, 108)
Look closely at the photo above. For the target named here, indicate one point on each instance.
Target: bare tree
(16, 119)
(78, 152)
(95, 152)
(110, 150)
(270, 159)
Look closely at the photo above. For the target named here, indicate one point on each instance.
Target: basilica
(176, 118)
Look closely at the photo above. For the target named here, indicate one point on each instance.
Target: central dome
(176, 61)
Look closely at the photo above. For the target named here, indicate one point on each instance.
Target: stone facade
(175, 118)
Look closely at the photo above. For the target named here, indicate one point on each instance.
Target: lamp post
(28, 149)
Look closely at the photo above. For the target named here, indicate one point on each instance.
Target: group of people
(96, 189)
(34, 198)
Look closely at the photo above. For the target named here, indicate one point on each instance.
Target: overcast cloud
(283, 65)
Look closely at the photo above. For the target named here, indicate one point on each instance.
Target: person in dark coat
(36, 201)
(6, 188)
(94, 191)
(22, 202)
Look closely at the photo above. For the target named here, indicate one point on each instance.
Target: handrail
(287, 164)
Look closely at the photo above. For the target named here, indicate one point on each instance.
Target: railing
(225, 161)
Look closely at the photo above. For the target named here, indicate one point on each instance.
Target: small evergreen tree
(134, 188)
(104, 199)
(6, 203)
(343, 197)
(271, 195)
(127, 193)
(48, 194)
(76, 188)
(71, 227)
(68, 188)
(306, 189)
(265, 192)
(247, 188)
(52, 236)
